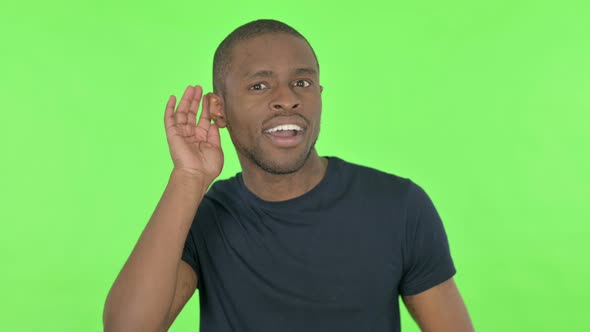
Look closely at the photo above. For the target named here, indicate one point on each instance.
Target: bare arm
(439, 309)
(155, 282)
(143, 292)
(186, 284)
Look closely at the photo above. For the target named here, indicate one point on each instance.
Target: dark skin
(289, 89)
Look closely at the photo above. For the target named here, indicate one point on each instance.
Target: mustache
(280, 114)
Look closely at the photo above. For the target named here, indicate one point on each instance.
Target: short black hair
(222, 57)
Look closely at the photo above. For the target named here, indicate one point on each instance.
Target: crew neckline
(302, 200)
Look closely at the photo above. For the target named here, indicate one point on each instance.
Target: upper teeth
(284, 127)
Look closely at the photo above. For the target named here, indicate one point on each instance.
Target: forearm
(143, 292)
(440, 309)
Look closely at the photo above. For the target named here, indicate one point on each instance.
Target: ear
(216, 109)
(321, 88)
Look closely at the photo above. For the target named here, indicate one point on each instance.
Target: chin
(279, 164)
(284, 165)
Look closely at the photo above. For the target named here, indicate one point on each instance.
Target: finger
(194, 106)
(180, 118)
(182, 110)
(213, 136)
(205, 118)
(186, 99)
(169, 112)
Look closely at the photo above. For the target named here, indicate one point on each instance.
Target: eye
(302, 83)
(257, 86)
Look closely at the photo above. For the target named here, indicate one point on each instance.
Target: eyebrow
(270, 73)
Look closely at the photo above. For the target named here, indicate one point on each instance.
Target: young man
(295, 242)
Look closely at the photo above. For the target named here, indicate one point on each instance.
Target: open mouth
(288, 135)
(284, 130)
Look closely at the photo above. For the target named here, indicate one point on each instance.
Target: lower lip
(286, 142)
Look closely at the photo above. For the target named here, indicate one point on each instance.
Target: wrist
(190, 179)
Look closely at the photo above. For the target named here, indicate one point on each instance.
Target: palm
(194, 147)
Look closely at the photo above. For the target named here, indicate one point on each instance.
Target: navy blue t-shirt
(334, 259)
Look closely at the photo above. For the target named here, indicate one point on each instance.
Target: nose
(285, 99)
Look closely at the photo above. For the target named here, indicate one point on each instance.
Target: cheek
(245, 129)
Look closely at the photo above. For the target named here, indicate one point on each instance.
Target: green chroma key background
(484, 104)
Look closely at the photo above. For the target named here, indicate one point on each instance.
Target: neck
(273, 187)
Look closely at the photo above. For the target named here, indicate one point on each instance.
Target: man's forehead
(270, 40)
(249, 74)
(271, 55)
(272, 48)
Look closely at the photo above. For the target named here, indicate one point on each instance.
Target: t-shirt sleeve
(427, 258)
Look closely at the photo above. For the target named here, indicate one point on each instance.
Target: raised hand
(194, 147)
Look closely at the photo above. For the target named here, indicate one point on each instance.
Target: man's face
(272, 101)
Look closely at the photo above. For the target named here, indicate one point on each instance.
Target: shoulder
(223, 189)
(374, 180)
(221, 196)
